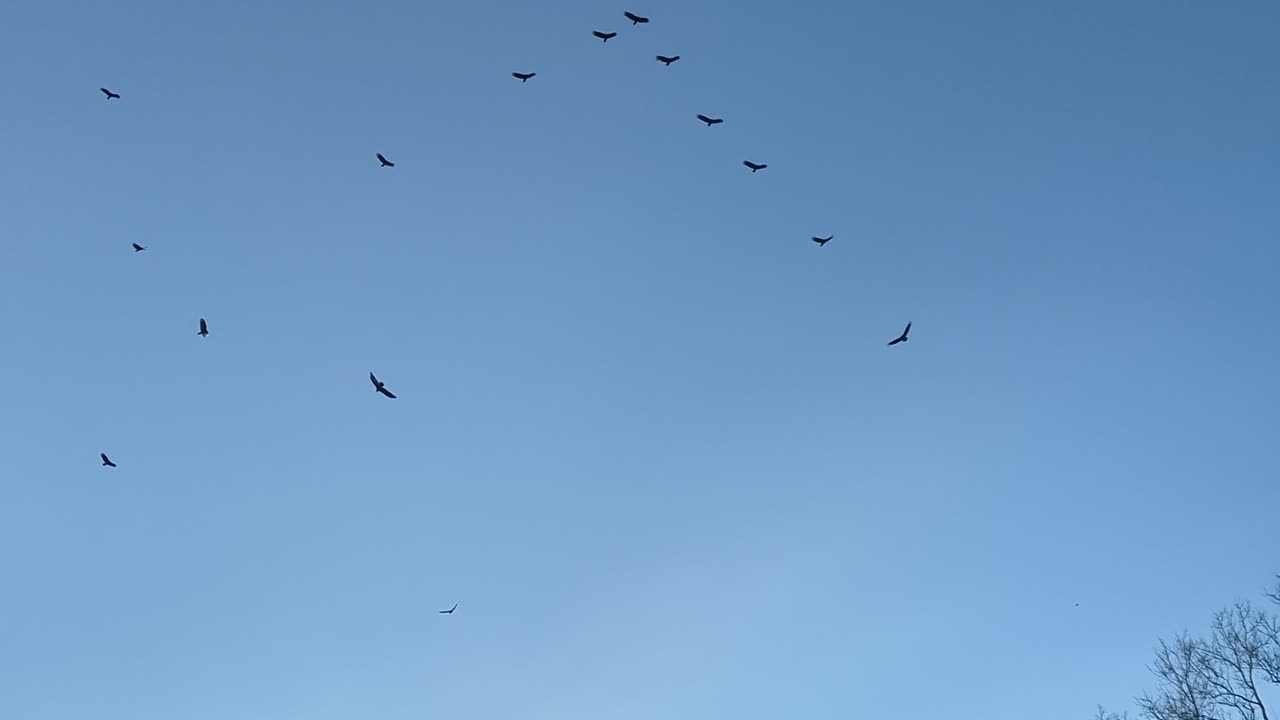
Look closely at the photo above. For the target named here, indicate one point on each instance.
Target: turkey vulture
(754, 167)
(450, 610)
(385, 162)
(604, 37)
(668, 60)
(710, 121)
(379, 386)
(110, 95)
(106, 461)
(902, 337)
(523, 77)
(634, 18)
(138, 248)
(823, 241)
(204, 328)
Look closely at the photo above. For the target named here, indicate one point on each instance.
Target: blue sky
(648, 436)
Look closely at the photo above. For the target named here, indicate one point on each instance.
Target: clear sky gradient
(648, 435)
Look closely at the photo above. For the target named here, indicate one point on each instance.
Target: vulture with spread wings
(901, 338)
(379, 386)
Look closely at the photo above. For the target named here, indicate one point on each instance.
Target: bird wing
(704, 118)
(380, 157)
(104, 457)
(630, 15)
(204, 327)
(373, 379)
(383, 389)
(904, 332)
(136, 246)
(106, 92)
(894, 341)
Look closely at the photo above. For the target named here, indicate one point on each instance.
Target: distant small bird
(823, 241)
(110, 95)
(710, 120)
(668, 60)
(385, 162)
(138, 248)
(754, 167)
(450, 610)
(524, 77)
(204, 328)
(604, 37)
(379, 386)
(901, 338)
(1077, 604)
(634, 18)
(106, 461)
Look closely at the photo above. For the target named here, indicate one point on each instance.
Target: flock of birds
(379, 386)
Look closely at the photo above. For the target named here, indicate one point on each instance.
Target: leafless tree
(1220, 677)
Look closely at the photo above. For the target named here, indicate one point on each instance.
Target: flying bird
(710, 120)
(604, 37)
(823, 241)
(379, 386)
(668, 60)
(634, 18)
(106, 461)
(754, 167)
(110, 95)
(523, 77)
(902, 337)
(138, 248)
(204, 328)
(385, 162)
(450, 610)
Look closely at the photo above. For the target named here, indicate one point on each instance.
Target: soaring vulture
(634, 18)
(604, 37)
(110, 95)
(901, 338)
(523, 77)
(379, 386)
(754, 167)
(385, 162)
(710, 120)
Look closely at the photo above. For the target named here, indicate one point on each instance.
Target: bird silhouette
(901, 338)
(754, 167)
(823, 241)
(204, 328)
(524, 77)
(450, 610)
(668, 60)
(604, 37)
(385, 162)
(110, 95)
(138, 248)
(634, 18)
(379, 386)
(710, 120)
(106, 461)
